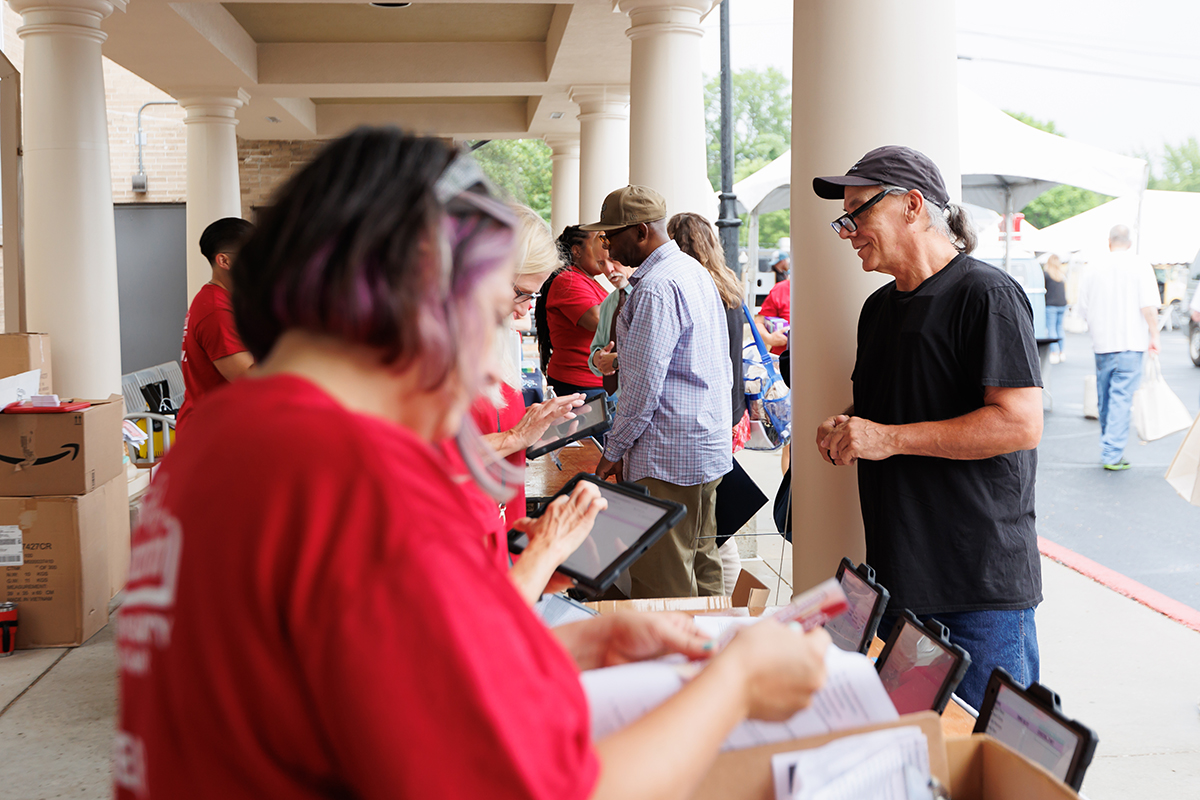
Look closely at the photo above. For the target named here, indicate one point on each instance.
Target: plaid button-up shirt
(673, 422)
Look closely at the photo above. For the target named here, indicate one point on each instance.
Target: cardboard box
(981, 768)
(61, 454)
(116, 514)
(21, 352)
(63, 588)
(749, 592)
(746, 774)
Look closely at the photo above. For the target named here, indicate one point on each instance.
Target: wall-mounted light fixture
(556, 115)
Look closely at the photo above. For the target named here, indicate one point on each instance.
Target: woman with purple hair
(311, 611)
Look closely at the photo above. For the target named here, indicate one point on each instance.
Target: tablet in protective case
(1031, 722)
(623, 532)
(854, 630)
(591, 419)
(919, 667)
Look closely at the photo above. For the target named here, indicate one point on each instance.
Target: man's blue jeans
(994, 639)
(1117, 378)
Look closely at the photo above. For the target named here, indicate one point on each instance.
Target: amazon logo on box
(61, 454)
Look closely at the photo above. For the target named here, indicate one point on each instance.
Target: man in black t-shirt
(947, 412)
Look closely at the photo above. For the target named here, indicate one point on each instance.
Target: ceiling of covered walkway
(470, 70)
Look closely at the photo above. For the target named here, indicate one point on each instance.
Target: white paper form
(852, 697)
(885, 765)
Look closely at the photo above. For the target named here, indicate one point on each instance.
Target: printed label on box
(12, 551)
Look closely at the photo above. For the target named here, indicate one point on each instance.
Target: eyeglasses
(522, 296)
(847, 223)
(607, 236)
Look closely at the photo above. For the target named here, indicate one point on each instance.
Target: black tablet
(591, 419)
(919, 667)
(855, 630)
(1031, 722)
(632, 522)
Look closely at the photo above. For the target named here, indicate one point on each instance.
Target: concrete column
(213, 188)
(564, 181)
(846, 101)
(666, 102)
(70, 241)
(603, 144)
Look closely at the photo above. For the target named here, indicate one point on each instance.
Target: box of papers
(746, 774)
(982, 768)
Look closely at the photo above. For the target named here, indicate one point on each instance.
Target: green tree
(1061, 202)
(521, 169)
(1180, 168)
(762, 132)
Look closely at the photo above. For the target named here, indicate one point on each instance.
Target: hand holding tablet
(623, 530)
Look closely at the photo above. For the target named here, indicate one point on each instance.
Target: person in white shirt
(1119, 300)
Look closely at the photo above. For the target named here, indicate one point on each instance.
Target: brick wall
(265, 164)
(165, 152)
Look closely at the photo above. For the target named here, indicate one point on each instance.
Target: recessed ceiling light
(556, 115)
(391, 5)
(272, 119)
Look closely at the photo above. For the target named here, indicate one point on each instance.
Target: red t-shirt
(778, 304)
(488, 420)
(316, 618)
(570, 296)
(208, 334)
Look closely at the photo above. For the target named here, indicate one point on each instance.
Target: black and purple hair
(380, 241)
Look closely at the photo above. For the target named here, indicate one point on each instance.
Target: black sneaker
(1117, 467)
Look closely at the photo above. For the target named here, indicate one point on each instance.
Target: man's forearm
(983, 433)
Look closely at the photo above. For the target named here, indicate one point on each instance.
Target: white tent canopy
(998, 155)
(1005, 161)
(1168, 233)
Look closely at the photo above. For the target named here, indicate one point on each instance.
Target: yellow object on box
(157, 436)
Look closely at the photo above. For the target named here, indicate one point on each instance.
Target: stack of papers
(890, 764)
(852, 697)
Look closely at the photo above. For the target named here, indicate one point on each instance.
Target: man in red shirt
(213, 353)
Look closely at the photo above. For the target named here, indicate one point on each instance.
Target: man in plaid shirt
(672, 429)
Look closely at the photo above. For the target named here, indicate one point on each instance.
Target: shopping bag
(768, 398)
(1091, 403)
(1184, 472)
(1157, 412)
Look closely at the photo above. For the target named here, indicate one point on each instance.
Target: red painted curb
(1173, 609)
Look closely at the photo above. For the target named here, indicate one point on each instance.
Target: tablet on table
(919, 667)
(855, 630)
(1031, 722)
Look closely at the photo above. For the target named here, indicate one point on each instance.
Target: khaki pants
(684, 563)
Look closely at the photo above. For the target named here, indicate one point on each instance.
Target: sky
(1117, 74)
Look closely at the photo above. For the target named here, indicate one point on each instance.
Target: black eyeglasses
(521, 296)
(847, 223)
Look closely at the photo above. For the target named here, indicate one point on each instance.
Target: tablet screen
(1032, 732)
(916, 670)
(587, 416)
(617, 528)
(847, 630)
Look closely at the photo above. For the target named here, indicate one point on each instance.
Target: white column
(70, 241)
(564, 180)
(666, 102)
(213, 188)
(603, 144)
(847, 102)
